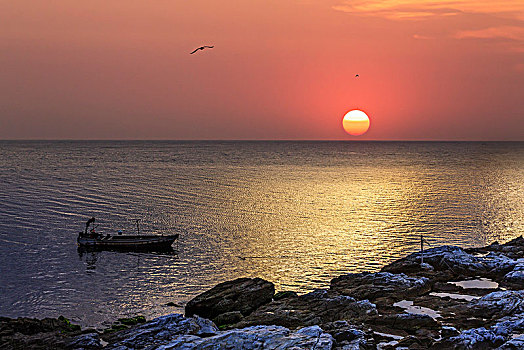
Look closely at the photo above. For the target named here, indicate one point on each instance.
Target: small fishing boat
(92, 239)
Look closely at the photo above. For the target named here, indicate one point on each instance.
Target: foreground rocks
(30, 333)
(243, 296)
(375, 285)
(458, 299)
(315, 308)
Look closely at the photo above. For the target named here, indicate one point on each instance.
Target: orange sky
(280, 69)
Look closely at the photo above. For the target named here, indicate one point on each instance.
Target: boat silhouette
(90, 239)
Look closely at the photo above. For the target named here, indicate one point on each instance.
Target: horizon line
(250, 140)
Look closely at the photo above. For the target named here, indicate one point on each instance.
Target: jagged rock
(446, 287)
(513, 249)
(440, 258)
(477, 338)
(514, 344)
(29, 326)
(243, 295)
(315, 308)
(373, 285)
(448, 331)
(515, 278)
(342, 331)
(509, 325)
(228, 318)
(499, 334)
(31, 333)
(257, 337)
(160, 331)
(500, 304)
(89, 341)
(285, 294)
(413, 342)
(407, 322)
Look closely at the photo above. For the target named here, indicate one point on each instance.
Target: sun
(355, 122)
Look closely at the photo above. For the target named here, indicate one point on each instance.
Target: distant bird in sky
(356, 75)
(202, 48)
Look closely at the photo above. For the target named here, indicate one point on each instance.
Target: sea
(294, 213)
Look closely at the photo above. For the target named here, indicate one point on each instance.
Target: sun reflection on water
(295, 213)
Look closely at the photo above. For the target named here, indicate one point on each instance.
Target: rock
(315, 308)
(285, 294)
(342, 331)
(207, 328)
(228, 318)
(440, 258)
(31, 333)
(89, 341)
(160, 331)
(413, 342)
(477, 338)
(407, 322)
(508, 326)
(257, 337)
(243, 295)
(427, 267)
(514, 344)
(177, 332)
(515, 278)
(30, 326)
(448, 331)
(446, 287)
(499, 304)
(373, 285)
(173, 304)
(131, 321)
(499, 334)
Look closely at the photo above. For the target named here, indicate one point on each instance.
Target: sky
(280, 69)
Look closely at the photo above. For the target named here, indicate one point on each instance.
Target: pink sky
(280, 69)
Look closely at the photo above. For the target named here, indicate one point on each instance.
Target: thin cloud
(422, 37)
(505, 32)
(420, 9)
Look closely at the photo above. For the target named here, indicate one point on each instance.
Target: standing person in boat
(89, 222)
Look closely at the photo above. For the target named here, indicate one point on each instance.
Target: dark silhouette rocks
(160, 331)
(407, 322)
(374, 285)
(228, 318)
(443, 258)
(31, 333)
(177, 332)
(285, 294)
(450, 302)
(315, 308)
(243, 295)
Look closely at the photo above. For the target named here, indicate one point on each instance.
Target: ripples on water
(295, 213)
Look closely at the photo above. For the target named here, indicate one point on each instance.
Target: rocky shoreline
(457, 299)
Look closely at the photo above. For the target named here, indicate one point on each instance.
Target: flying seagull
(202, 48)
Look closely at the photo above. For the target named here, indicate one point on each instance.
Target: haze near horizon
(428, 70)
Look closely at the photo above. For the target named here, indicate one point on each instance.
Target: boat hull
(142, 242)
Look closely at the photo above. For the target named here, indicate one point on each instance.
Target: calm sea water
(294, 213)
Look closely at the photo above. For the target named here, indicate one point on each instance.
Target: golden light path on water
(301, 227)
(296, 214)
